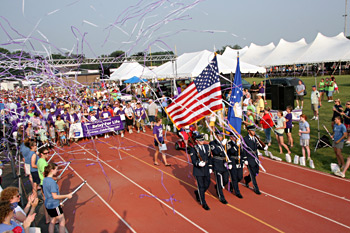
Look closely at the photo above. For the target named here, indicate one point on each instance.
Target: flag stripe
(199, 99)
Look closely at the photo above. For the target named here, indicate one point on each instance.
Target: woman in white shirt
(280, 126)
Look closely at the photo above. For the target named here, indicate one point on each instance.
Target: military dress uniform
(236, 172)
(201, 173)
(251, 155)
(220, 167)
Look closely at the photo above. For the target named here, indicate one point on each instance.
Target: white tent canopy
(232, 53)
(192, 64)
(285, 53)
(128, 70)
(326, 49)
(256, 53)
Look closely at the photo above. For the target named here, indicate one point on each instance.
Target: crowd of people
(44, 115)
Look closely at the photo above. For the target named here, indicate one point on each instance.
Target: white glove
(223, 142)
(238, 142)
(246, 163)
(230, 166)
(266, 147)
(210, 171)
(201, 164)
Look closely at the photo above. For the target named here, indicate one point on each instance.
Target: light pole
(345, 15)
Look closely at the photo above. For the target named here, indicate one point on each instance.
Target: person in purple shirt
(262, 90)
(51, 118)
(289, 125)
(105, 114)
(158, 141)
(121, 114)
(140, 116)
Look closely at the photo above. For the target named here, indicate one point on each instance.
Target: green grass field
(322, 157)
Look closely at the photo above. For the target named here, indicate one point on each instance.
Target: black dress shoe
(223, 201)
(206, 207)
(197, 195)
(257, 191)
(239, 195)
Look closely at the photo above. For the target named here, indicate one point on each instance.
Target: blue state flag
(234, 116)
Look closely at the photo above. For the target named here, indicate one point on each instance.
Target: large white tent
(326, 49)
(256, 53)
(285, 53)
(128, 70)
(232, 53)
(192, 64)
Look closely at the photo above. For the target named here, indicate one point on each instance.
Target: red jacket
(266, 121)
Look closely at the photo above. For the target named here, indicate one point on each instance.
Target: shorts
(330, 93)
(212, 123)
(156, 143)
(27, 169)
(55, 212)
(339, 145)
(304, 142)
(129, 121)
(314, 107)
(279, 134)
(321, 91)
(262, 94)
(300, 97)
(152, 118)
(288, 130)
(36, 178)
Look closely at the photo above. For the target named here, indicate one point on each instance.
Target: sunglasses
(46, 153)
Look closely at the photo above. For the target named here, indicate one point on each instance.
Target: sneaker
(122, 135)
(144, 130)
(313, 118)
(347, 142)
(338, 173)
(138, 131)
(130, 131)
(297, 107)
(316, 118)
(105, 136)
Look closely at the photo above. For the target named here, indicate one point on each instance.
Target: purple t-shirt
(262, 89)
(138, 113)
(158, 130)
(289, 117)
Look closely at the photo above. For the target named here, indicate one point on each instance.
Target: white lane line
(293, 165)
(309, 211)
(309, 170)
(93, 190)
(306, 186)
(303, 185)
(149, 193)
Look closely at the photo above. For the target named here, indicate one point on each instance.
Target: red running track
(120, 172)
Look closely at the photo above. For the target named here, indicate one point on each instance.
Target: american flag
(199, 99)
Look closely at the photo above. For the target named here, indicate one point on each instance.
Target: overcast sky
(44, 26)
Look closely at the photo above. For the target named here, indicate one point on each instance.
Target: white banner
(76, 131)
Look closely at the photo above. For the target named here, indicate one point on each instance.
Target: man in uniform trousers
(200, 156)
(234, 152)
(220, 165)
(251, 157)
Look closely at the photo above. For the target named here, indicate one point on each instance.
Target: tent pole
(339, 67)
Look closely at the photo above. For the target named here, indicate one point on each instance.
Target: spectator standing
(280, 126)
(326, 87)
(140, 116)
(300, 89)
(330, 89)
(262, 90)
(289, 125)
(152, 112)
(321, 88)
(129, 113)
(304, 133)
(121, 114)
(164, 105)
(338, 136)
(254, 89)
(52, 197)
(267, 124)
(337, 111)
(315, 102)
